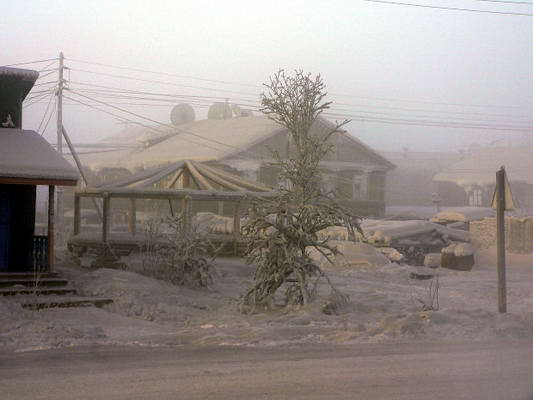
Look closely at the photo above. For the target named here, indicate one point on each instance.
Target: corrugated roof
(480, 168)
(25, 154)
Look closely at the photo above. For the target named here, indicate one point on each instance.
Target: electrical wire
(332, 94)
(29, 62)
(161, 123)
(46, 111)
(139, 123)
(115, 93)
(165, 73)
(49, 118)
(158, 82)
(440, 124)
(397, 3)
(506, 2)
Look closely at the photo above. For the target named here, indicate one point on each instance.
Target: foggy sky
(361, 49)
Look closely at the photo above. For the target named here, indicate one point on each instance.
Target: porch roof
(27, 158)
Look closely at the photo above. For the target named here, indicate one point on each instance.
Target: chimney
(15, 84)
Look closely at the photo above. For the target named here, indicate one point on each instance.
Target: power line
(162, 124)
(148, 126)
(507, 2)
(165, 73)
(117, 95)
(440, 124)
(28, 62)
(46, 111)
(332, 94)
(159, 82)
(397, 3)
(49, 118)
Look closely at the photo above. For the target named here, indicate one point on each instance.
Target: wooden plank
(133, 217)
(219, 180)
(37, 181)
(175, 179)
(237, 225)
(165, 194)
(51, 206)
(186, 206)
(162, 174)
(203, 183)
(77, 221)
(105, 220)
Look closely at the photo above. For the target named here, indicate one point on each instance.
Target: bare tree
(283, 230)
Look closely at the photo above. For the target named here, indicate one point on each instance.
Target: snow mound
(352, 255)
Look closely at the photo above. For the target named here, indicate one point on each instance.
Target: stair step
(40, 303)
(26, 275)
(31, 282)
(24, 290)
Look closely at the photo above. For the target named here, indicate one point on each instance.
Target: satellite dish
(240, 112)
(219, 111)
(182, 114)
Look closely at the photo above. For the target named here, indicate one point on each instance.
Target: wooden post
(237, 225)
(76, 214)
(171, 207)
(105, 220)
(500, 232)
(187, 211)
(133, 216)
(51, 206)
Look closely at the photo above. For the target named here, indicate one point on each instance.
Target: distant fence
(518, 234)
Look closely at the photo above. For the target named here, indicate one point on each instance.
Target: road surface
(502, 371)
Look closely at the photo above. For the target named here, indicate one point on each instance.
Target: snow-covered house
(243, 145)
(471, 181)
(26, 161)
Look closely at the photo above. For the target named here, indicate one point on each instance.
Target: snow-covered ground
(383, 306)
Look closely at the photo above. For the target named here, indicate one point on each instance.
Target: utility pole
(59, 93)
(500, 229)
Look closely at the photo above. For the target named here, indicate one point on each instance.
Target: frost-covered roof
(23, 77)
(480, 168)
(205, 140)
(26, 155)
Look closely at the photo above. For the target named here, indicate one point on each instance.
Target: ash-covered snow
(384, 305)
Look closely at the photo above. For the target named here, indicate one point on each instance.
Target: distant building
(471, 181)
(243, 146)
(411, 183)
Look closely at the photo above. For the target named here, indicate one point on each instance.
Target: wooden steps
(47, 282)
(44, 291)
(36, 290)
(44, 302)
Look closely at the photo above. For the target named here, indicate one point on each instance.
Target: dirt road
(497, 370)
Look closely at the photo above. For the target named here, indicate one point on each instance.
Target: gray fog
(470, 74)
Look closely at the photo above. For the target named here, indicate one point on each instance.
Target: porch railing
(40, 253)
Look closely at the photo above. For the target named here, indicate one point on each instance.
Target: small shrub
(177, 253)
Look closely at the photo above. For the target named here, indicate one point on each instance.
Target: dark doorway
(4, 229)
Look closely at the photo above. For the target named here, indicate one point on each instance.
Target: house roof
(480, 168)
(26, 157)
(205, 140)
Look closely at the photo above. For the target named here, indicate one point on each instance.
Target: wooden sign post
(502, 200)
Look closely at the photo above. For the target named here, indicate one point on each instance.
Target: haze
(412, 55)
